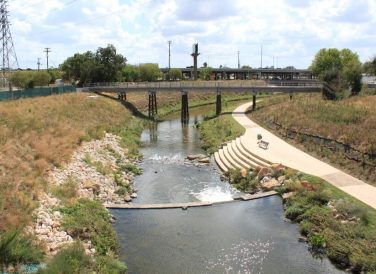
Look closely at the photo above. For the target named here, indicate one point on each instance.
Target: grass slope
(351, 121)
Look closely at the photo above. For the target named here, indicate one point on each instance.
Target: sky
(290, 32)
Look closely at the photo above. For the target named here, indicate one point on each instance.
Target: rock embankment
(99, 169)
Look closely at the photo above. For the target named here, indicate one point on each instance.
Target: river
(239, 237)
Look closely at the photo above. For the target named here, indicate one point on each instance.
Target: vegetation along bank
(61, 158)
(333, 223)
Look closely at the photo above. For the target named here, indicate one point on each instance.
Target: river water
(239, 237)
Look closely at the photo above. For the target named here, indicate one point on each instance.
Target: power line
(47, 51)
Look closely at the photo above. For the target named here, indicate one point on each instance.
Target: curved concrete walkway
(281, 152)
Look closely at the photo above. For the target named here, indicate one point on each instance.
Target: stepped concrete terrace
(280, 151)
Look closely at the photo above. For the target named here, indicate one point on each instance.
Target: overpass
(241, 86)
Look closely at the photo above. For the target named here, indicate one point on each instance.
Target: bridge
(217, 87)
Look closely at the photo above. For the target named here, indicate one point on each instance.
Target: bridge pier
(254, 101)
(184, 107)
(218, 106)
(122, 96)
(152, 111)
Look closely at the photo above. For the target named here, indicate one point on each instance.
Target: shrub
(293, 212)
(66, 191)
(317, 241)
(129, 167)
(16, 249)
(108, 264)
(305, 227)
(71, 259)
(349, 210)
(89, 219)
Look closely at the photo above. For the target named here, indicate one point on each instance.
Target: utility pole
(38, 63)
(273, 62)
(261, 55)
(47, 51)
(169, 59)
(7, 51)
(238, 60)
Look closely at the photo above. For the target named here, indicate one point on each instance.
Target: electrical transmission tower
(7, 51)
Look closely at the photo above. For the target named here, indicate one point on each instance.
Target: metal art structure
(195, 54)
(8, 52)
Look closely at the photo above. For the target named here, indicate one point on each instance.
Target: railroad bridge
(217, 87)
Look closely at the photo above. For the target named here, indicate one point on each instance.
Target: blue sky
(291, 31)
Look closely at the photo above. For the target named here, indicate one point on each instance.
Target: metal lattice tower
(7, 51)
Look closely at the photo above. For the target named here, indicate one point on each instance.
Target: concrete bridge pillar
(218, 105)
(122, 96)
(152, 104)
(184, 107)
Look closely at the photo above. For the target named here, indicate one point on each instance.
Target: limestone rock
(287, 195)
(277, 167)
(196, 157)
(134, 195)
(263, 172)
(205, 160)
(270, 185)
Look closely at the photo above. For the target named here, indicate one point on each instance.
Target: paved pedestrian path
(280, 151)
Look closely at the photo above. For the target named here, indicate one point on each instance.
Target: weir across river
(241, 86)
(245, 197)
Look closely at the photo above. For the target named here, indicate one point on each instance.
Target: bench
(262, 144)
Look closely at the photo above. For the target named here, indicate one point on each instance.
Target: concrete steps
(242, 155)
(235, 155)
(218, 161)
(230, 158)
(262, 161)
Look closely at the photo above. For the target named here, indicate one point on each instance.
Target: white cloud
(290, 30)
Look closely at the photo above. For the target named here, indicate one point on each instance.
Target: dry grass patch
(36, 134)
(350, 121)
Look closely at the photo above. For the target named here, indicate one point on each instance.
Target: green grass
(67, 191)
(216, 131)
(88, 219)
(347, 244)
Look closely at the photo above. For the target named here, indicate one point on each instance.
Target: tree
(30, 79)
(150, 72)
(205, 73)
(130, 73)
(109, 64)
(175, 74)
(340, 69)
(369, 67)
(105, 65)
(41, 78)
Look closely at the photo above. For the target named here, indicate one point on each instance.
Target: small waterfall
(215, 194)
(168, 159)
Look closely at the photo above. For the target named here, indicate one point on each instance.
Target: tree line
(340, 69)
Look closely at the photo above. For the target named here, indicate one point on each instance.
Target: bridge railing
(181, 85)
